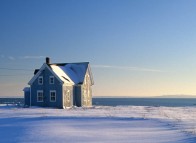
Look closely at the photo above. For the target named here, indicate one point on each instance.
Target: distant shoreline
(11, 97)
(163, 96)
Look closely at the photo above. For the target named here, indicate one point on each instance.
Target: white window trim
(40, 91)
(50, 80)
(42, 80)
(50, 95)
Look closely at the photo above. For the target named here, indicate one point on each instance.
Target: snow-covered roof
(73, 73)
(67, 73)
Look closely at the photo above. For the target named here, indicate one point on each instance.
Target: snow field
(124, 124)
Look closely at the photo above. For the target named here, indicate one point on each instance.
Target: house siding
(83, 93)
(77, 96)
(86, 94)
(46, 87)
(68, 98)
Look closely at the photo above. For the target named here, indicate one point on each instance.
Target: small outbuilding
(60, 85)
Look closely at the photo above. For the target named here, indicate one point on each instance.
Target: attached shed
(27, 96)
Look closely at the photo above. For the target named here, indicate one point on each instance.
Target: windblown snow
(99, 124)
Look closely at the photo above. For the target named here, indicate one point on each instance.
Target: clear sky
(135, 47)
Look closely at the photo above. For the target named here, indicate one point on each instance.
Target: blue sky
(135, 47)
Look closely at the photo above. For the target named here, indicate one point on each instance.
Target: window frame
(51, 77)
(40, 83)
(40, 91)
(52, 91)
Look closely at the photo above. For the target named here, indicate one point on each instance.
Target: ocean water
(169, 102)
(12, 101)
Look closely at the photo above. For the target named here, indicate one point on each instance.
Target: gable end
(40, 71)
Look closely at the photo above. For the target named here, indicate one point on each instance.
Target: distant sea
(11, 100)
(168, 102)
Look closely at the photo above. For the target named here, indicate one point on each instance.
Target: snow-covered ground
(100, 124)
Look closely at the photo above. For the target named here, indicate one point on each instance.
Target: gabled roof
(70, 73)
(40, 71)
(73, 72)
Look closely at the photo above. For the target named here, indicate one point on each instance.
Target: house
(60, 85)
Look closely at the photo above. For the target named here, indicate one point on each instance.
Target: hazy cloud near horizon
(127, 68)
(22, 57)
(32, 57)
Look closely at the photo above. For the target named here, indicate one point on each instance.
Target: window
(52, 96)
(84, 94)
(51, 79)
(40, 80)
(68, 95)
(86, 80)
(40, 96)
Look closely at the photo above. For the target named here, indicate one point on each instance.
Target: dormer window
(40, 80)
(51, 79)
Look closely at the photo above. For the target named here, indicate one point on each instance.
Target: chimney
(36, 70)
(47, 60)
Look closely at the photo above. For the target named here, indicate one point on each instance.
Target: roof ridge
(69, 63)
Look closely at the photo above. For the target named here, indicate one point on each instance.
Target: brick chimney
(47, 60)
